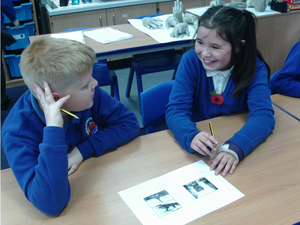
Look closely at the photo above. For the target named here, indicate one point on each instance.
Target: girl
(223, 74)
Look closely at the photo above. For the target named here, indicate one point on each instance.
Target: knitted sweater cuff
(233, 149)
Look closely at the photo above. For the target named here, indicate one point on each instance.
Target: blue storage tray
(23, 12)
(13, 62)
(21, 35)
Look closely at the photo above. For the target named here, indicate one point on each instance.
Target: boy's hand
(224, 161)
(50, 107)
(74, 159)
(202, 141)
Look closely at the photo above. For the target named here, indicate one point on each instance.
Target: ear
(237, 49)
(56, 96)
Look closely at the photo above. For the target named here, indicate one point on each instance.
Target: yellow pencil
(211, 129)
(71, 114)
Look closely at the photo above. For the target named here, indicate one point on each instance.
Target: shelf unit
(25, 12)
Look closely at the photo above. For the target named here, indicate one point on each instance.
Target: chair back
(101, 73)
(153, 105)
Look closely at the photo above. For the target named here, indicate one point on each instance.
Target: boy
(44, 145)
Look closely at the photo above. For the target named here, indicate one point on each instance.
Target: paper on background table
(161, 35)
(74, 35)
(180, 196)
(199, 11)
(107, 35)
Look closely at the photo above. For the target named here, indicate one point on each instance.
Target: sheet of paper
(74, 35)
(201, 10)
(180, 196)
(107, 35)
(161, 35)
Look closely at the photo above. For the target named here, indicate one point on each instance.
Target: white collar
(224, 73)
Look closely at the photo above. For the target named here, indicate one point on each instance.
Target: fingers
(71, 165)
(209, 140)
(177, 6)
(156, 23)
(74, 160)
(39, 91)
(203, 143)
(45, 96)
(180, 7)
(225, 162)
(72, 170)
(36, 88)
(198, 146)
(158, 20)
(152, 23)
(63, 100)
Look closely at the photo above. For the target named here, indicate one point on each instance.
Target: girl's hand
(202, 141)
(223, 161)
(50, 106)
(74, 159)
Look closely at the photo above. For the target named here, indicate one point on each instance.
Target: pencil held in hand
(211, 129)
(71, 114)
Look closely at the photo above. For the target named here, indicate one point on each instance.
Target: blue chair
(101, 73)
(153, 105)
(106, 77)
(151, 63)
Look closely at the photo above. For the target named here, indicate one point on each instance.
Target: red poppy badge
(216, 98)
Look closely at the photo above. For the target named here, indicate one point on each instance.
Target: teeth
(208, 61)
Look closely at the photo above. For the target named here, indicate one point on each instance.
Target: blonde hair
(58, 61)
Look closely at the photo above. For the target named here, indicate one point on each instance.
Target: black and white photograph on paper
(162, 203)
(180, 196)
(200, 187)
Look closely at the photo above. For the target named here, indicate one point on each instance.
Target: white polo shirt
(220, 79)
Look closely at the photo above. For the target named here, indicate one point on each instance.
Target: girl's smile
(208, 62)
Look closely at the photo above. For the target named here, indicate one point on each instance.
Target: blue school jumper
(37, 154)
(286, 81)
(190, 102)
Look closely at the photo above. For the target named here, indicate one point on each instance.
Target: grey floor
(149, 80)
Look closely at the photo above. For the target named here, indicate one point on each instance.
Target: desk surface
(269, 178)
(290, 104)
(140, 43)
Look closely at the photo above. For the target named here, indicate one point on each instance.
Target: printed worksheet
(180, 196)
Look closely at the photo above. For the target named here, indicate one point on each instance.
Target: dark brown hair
(235, 25)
